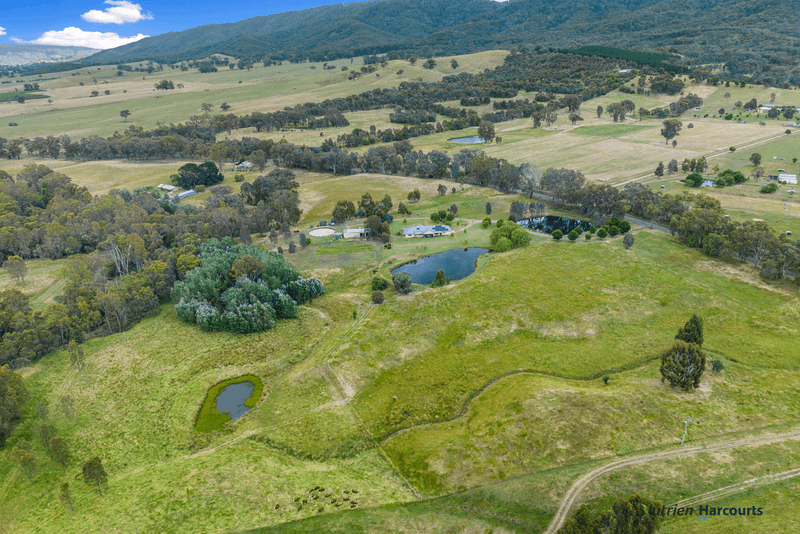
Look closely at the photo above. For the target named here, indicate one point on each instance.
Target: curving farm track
(580, 485)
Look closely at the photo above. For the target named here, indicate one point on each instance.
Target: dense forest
(747, 37)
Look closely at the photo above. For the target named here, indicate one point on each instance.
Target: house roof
(422, 229)
(354, 230)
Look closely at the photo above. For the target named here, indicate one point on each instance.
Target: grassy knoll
(468, 333)
(209, 419)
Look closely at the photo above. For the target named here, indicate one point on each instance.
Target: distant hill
(751, 35)
(22, 54)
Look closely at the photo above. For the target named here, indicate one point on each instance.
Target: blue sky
(99, 24)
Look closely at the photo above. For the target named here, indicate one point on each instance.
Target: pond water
(231, 399)
(457, 264)
(550, 223)
(473, 140)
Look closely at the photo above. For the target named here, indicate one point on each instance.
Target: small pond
(550, 223)
(231, 399)
(457, 264)
(473, 140)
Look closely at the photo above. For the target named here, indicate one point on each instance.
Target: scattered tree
(65, 496)
(682, 365)
(94, 474)
(377, 297)
(627, 241)
(125, 114)
(671, 129)
(660, 169)
(25, 459)
(755, 159)
(454, 64)
(486, 131)
(692, 331)
(76, 357)
(441, 279)
(12, 397)
(488, 208)
(16, 268)
(59, 451)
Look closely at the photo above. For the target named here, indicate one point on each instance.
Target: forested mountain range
(749, 36)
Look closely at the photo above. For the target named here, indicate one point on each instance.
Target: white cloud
(16, 40)
(2, 31)
(121, 13)
(77, 37)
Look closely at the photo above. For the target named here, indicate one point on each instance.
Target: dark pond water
(231, 399)
(550, 223)
(457, 264)
(474, 140)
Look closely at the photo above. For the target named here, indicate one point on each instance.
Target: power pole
(685, 429)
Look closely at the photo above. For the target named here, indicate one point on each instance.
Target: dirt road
(580, 485)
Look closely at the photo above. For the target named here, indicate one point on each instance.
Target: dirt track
(577, 488)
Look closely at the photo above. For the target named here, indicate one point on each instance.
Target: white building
(788, 178)
(244, 166)
(422, 230)
(352, 233)
(166, 187)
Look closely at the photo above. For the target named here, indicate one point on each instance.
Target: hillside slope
(742, 33)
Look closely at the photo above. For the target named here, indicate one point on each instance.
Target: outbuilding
(353, 233)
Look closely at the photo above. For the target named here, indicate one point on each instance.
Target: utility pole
(685, 429)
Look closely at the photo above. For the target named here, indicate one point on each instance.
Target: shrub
(503, 244)
(606, 379)
(441, 279)
(588, 236)
(717, 365)
(200, 188)
(238, 178)
(573, 235)
(601, 233)
(613, 230)
(379, 283)
(402, 283)
(487, 222)
(769, 188)
(624, 227)
(557, 235)
(377, 297)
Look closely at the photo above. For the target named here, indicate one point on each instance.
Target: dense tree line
(126, 250)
